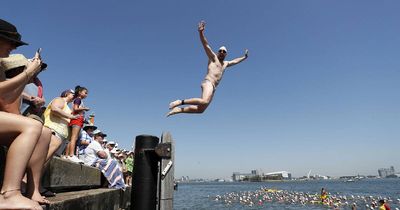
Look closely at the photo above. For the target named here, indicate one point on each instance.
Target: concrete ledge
(63, 175)
(96, 199)
(125, 198)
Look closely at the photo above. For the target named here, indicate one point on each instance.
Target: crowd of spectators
(33, 133)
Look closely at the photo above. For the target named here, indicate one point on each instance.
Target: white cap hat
(223, 48)
(111, 142)
(99, 132)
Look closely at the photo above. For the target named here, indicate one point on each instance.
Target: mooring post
(144, 183)
(166, 173)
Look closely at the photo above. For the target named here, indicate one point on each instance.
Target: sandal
(47, 193)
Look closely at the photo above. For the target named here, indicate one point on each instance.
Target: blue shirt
(83, 136)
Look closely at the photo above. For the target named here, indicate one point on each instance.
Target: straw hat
(13, 61)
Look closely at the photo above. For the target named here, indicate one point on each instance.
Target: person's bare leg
(35, 166)
(206, 96)
(23, 134)
(175, 104)
(192, 109)
(55, 143)
(74, 137)
(197, 105)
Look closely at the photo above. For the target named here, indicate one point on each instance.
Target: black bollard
(144, 183)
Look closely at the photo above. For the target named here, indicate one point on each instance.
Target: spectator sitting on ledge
(85, 138)
(96, 156)
(109, 147)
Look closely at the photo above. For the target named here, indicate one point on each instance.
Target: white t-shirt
(91, 152)
(108, 153)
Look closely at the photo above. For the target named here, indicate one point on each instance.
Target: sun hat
(16, 60)
(13, 61)
(9, 32)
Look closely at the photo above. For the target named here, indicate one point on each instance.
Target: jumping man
(216, 68)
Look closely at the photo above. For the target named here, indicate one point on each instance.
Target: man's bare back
(215, 70)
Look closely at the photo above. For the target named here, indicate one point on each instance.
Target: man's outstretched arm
(211, 55)
(238, 60)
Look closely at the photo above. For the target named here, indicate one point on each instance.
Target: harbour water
(203, 195)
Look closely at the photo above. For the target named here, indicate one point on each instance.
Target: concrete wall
(62, 175)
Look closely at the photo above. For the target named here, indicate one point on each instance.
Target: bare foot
(15, 200)
(175, 104)
(39, 198)
(175, 110)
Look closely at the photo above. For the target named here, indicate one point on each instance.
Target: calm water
(201, 195)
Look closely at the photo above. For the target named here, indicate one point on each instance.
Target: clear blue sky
(319, 91)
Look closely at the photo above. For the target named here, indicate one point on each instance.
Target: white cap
(223, 48)
(99, 132)
(110, 142)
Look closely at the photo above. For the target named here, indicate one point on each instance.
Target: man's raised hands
(202, 25)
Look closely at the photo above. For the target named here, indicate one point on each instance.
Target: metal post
(144, 185)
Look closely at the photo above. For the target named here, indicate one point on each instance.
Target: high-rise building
(384, 172)
(255, 172)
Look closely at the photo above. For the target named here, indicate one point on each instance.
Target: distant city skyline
(381, 172)
(319, 90)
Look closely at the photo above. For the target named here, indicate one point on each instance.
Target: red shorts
(78, 122)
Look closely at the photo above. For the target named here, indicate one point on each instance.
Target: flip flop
(47, 193)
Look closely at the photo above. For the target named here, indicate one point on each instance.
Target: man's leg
(197, 105)
(206, 96)
(192, 109)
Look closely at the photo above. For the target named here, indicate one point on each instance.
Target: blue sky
(320, 90)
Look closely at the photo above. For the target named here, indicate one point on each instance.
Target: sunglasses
(222, 51)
